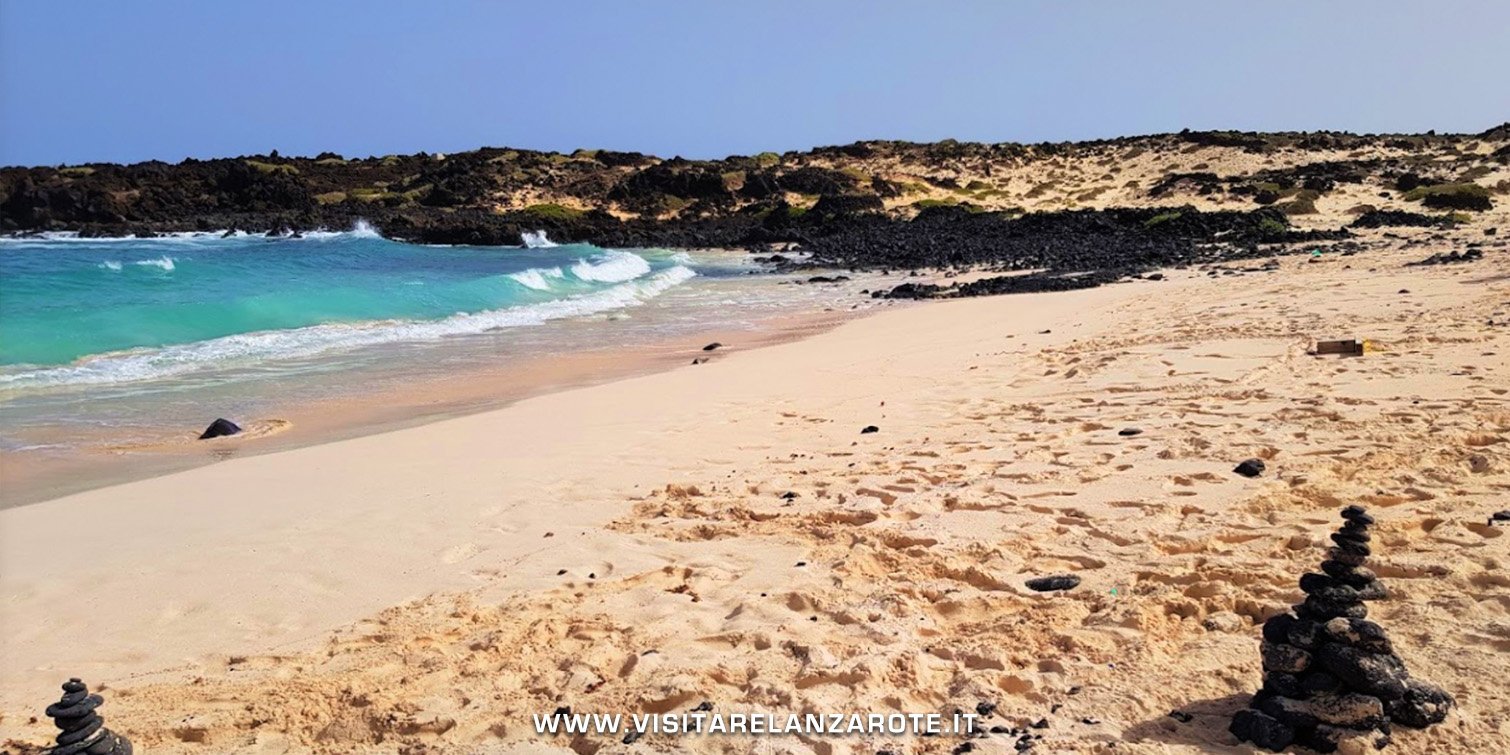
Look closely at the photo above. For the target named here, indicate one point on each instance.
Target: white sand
(240, 606)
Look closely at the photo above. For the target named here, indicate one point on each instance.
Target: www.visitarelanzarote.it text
(757, 723)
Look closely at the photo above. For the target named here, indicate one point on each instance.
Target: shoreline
(370, 412)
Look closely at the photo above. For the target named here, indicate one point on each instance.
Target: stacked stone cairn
(1330, 674)
(83, 730)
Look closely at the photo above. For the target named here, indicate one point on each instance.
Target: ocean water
(110, 341)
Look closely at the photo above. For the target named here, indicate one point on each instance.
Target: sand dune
(726, 533)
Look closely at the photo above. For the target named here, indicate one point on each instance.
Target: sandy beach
(726, 533)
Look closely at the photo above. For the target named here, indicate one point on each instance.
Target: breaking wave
(537, 240)
(537, 278)
(248, 349)
(611, 267)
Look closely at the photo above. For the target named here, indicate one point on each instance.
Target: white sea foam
(538, 278)
(361, 230)
(537, 240)
(248, 349)
(164, 263)
(111, 265)
(613, 266)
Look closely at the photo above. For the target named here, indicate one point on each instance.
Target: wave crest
(613, 266)
(252, 348)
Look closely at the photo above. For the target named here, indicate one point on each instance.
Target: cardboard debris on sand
(1349, 347)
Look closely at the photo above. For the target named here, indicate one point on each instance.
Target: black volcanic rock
(1329, 673)
(1053, 583)
(1250, 467)
(82, 729)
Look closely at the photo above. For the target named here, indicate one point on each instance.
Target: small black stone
(1325, 610)
(1422, 705)
(1261, 729)
(1250, 467)
(1311, 582)
(1283, 684)
(1347, 558)
(1284, 658)
(1303, 633)
(712, 346)
(1347, 542)
(1128, 432)
(1042, 723)
(1348, 574)
(1357, 513)
(1380, 675)
(984, 709)
(1181, 716)
(868, 429)
(1053, 582)
(1277, 628)
(1500, 516)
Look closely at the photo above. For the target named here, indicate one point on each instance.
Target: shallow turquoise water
(120, 310)
(123, 341)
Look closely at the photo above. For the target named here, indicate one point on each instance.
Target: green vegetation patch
(1460, 196)
(263, 167)
(1162, 218)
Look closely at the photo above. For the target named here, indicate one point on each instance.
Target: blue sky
(127, 81)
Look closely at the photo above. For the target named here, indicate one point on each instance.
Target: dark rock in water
(1250, 467)
(83, 730)
(1054, 582)
(220, 427)
(712, 346)
(1423, 704)
(868, 429)
(1249, 725)
(1128, 432)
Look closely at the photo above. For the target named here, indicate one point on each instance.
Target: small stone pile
(1330, 674)
(83, 730)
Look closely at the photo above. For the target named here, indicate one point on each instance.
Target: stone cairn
(1330, 674)
(83, 730)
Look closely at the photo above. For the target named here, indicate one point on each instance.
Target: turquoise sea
(126, 339)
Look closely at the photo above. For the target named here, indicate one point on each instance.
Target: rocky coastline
(1055, 210)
